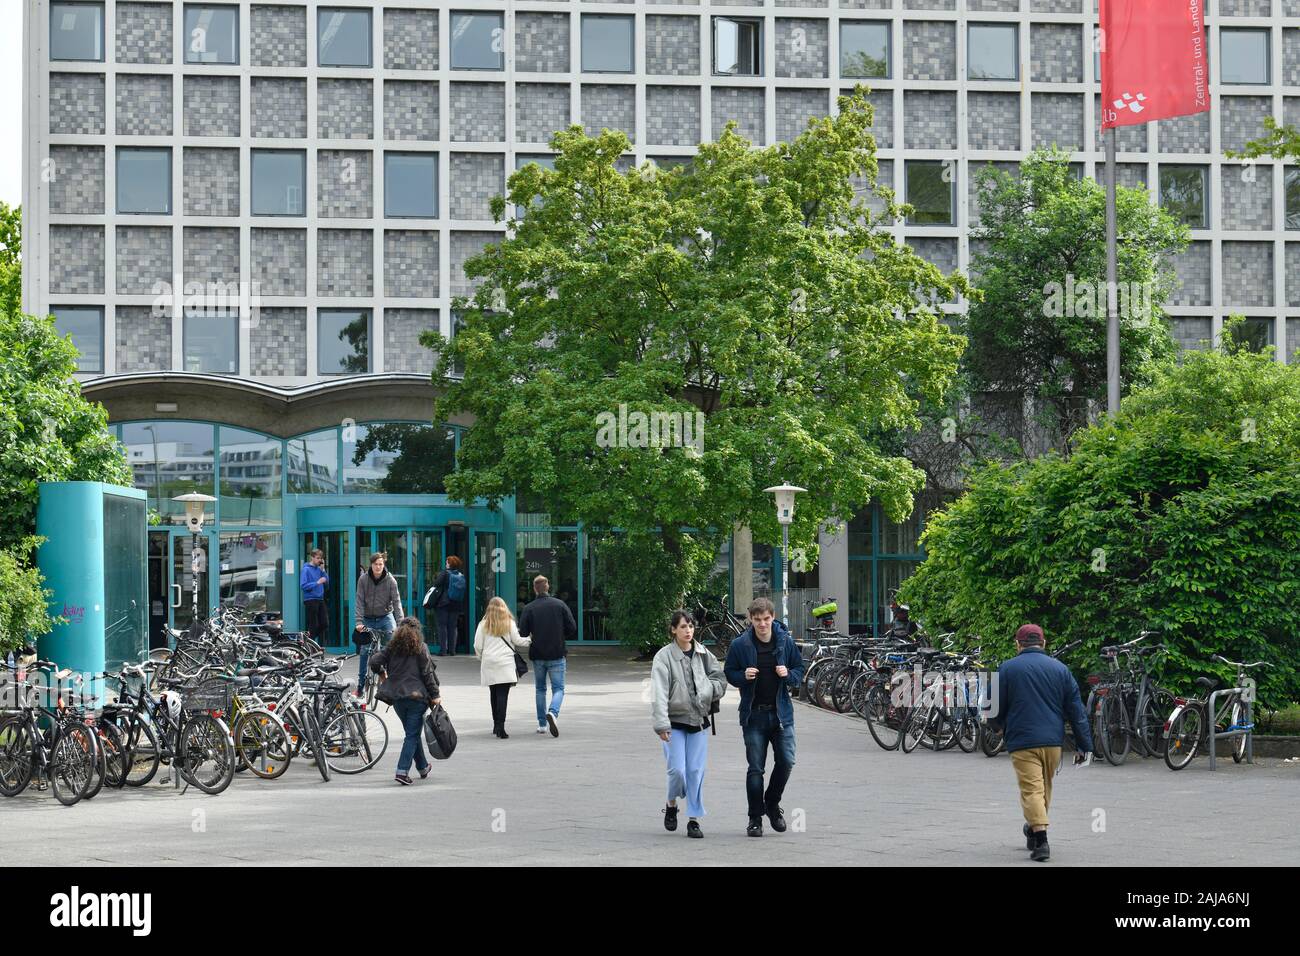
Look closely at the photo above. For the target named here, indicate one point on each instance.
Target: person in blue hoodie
(765, 663)
(1035, 695)
(312, 582)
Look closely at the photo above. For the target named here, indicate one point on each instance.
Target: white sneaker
(542, 730)
(553, 724)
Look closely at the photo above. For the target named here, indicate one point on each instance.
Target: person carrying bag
(496, 643)
(410, 687)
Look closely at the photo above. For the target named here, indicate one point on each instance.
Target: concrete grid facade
(344, 253)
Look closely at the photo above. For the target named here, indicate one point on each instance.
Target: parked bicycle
(1189, 726)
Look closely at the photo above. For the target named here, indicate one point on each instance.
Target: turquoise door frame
(318, 513)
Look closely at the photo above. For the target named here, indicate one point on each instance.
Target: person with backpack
(497, 643)
(378, 608)
(410, 687)
(687, 682)
(445, 599)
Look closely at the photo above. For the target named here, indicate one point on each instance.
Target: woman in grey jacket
(686, 679)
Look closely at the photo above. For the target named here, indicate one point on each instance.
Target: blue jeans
(556, 671)
(385, 626)
(411, 714)
(763, 728)
(686, 755)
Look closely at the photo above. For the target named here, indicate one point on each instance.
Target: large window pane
(250, 565)
(860, 598)
(411, 185)
(144, 181)
(892, 575)
(126, 610)
(343, 341)
(343, 37)
(1293, 197)
(737, 46)
(279, 181)
(211, 34)
(1183, 194)
(76, 31)
(1244, 56)
(313, 463)
(992, 51)
(929, 193)
(864, 48)
(1255, 334)
(398, 458)
(606, 43)
(477, 41)
(86, 326)
(211, 344)
(170, 459)
(249, 476)
(553, 554)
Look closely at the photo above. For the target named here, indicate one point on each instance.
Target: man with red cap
(1035, 695)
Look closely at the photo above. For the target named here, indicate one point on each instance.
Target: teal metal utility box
(94, 560)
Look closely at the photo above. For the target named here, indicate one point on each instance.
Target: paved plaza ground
(593, 796)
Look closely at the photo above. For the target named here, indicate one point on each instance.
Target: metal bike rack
(1215, 737)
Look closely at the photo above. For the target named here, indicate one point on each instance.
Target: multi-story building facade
(336, 161)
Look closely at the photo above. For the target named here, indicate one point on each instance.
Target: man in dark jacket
(549, 622)
(764, 662)
(1035, 695)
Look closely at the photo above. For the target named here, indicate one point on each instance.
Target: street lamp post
(785, 514)
(194, 503)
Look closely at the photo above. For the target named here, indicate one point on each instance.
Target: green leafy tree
(1040, 328)
(24, 614)
(48, 432)
(1183, 515)
(753, 289)
(11, 270)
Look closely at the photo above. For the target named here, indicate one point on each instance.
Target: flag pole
(1112, 279)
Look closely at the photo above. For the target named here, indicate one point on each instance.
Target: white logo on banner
(1131, 102)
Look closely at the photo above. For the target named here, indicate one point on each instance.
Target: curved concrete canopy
(282, 412)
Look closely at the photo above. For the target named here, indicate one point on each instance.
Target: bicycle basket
(209, 695)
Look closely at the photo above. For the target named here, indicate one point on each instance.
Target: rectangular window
(457, 323)
(86, 326)
(1292, 189)
(211, 343)
(279, 182)
(211, 34)
(737, 47)
(77, 31)
(864, 48)
(343, 37)
(411, 185)
(992, 51)
(478, 41)
(1244, 56)
(144, 181)
(1255, 334)
(1184, 194)
(607, 43)
(343, 341)
(930, 191)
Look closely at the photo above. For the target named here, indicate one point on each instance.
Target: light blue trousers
(686, 755)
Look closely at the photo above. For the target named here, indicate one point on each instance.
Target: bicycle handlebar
(1220, 657)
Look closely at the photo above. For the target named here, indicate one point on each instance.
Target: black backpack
(439, 734)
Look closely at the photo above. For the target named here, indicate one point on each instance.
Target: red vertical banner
(1153, 60)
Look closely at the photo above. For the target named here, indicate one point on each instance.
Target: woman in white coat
(495, 642)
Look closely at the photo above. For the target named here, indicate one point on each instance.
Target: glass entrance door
(428, 561)
(489, 561)
(182, 574)
(163, 595)
(338, 589)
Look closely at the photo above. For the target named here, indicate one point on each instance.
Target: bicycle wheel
(821, 695)
(1184, 737)
(115, 757)
(1151, 721)
(371, 690)
(317, 744)
(17, 750)
(355, 741)
(969, 729)
(883, 719)
(858, 691)
(992, 741)
(914, 728)
(142, 752)
(1115, 741)
(72, 762)
(840, 689)
(1238, 743)
(262, 744)
(205, 753)
(940, 730)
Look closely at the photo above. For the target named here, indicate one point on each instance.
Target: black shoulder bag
(521, 665)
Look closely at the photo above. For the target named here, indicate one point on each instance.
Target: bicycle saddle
(1209, 683)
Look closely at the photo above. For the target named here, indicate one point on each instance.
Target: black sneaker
(755, 828)
(693, 830)
(552, 724)
(1041, 853)
(670, 819)
(424, 774)
(776, 818)
(1029, 837)
(403, 779)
